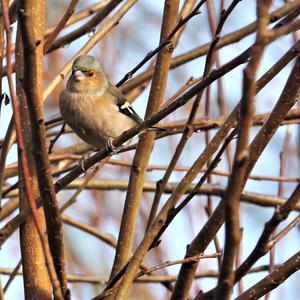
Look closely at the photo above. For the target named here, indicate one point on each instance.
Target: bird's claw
(81, 161)
(110, 147)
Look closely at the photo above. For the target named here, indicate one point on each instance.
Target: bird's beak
(78, 75)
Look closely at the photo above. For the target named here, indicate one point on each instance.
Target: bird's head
(87, 76)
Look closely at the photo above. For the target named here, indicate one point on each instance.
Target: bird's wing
(123, 105)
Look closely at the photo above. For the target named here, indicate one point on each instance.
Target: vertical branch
(185, 11)
(221, 101)
(31, 26)
(286, 101)
(182, 285)
(280, 193)
(27, 176)
(144, 149)
(36, 277)
(237, 178)
(2, 54)
(211, 15)
(179, 148)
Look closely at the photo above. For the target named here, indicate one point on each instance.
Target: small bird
(93, 107)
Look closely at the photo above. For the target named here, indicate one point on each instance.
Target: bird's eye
(90, 73)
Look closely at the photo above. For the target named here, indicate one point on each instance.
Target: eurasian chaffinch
(94, 108)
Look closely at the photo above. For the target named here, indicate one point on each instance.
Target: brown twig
(88, 178)
(176, 262)
(12, 276)
(282, 166)
(60, 25)
(106, 238)
(87, 27)
(57, 136)
(238, 262)
(190, 82)
(86, 12)
(270, 282)
(211, 15)
(6, 145)
(212, 190)
(75, 278)
(151, 168)
(283, 232)
(165, 42)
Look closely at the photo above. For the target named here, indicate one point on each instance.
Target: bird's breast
(94, 119)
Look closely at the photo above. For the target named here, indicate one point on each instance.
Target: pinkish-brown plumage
(94, 108)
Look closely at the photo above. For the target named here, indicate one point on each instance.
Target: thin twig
(165, 42)
(53, 141)
(60, 25)
(176, 262)
(12, 276)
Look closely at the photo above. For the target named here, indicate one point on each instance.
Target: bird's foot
(110, 147)
(82, 159)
